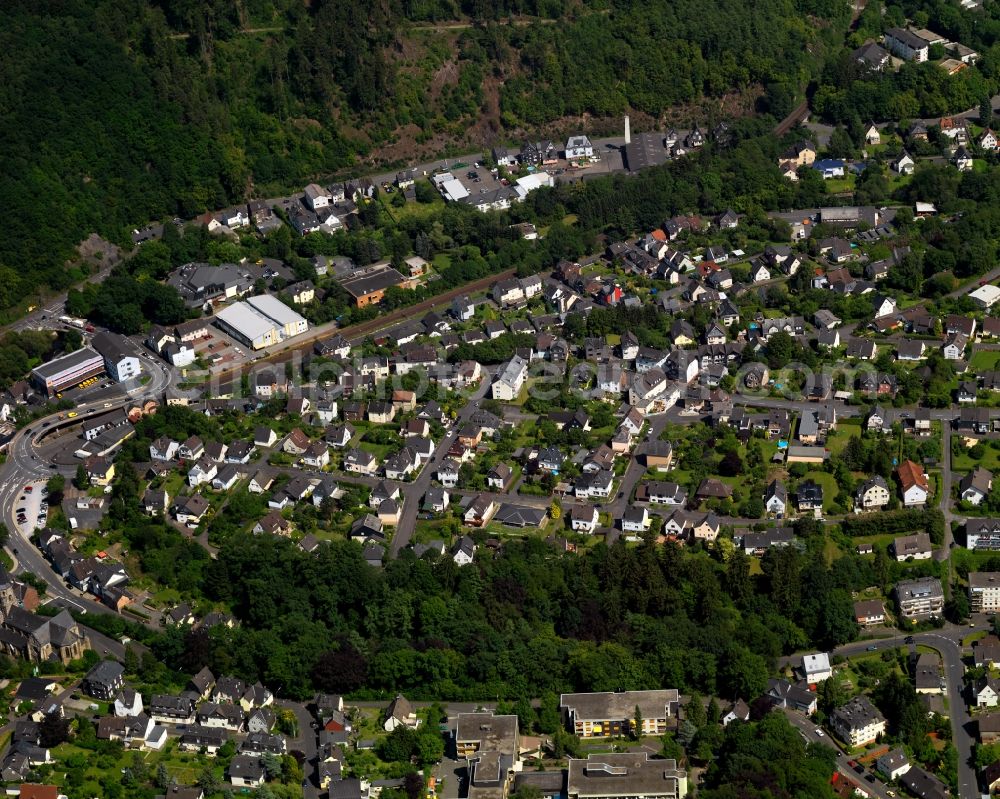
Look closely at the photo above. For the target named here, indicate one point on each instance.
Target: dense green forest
(115, 113)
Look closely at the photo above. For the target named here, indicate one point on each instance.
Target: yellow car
(71, 414)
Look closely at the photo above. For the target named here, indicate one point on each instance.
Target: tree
(55, 487)
(207, 780)
(163, 780)
(637, 722)
(956, 609)
(342, 671)
(780, 349)
(81, 481)
(714, 712)
(53, 730)
(731, 464)
(272, 765)
(695, 710)
(413, 785)
(686, 733)
(742, 673)
(739, 583)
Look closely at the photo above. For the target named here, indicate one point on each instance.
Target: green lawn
(380, 451)
(966, 463)
(830, 488)
(838, 185)
(984, 361)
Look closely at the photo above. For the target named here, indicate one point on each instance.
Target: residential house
(776, 498)
(816, 667)
(869, 612)
(920, 598)
(976, 485)
(916, 546)
(464, 551)
(893, 764)
(872, 494)
(913, 483)
(784, 694)
(986, 691)
(583, 519)
(984, 592)
(858, 722)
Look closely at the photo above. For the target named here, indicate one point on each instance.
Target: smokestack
(628, 131)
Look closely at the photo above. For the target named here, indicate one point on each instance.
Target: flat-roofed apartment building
(984, 592)
(485, 732)
(612, 713)
(922, 598)
(627, 775)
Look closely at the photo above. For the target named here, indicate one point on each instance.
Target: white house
(128, 703)
(583, 520)
(776, 498)
(904, 164)
(893, 764)
(816, 667)
(635, 520)
(759, 274)
(578, 147)
(510, 379)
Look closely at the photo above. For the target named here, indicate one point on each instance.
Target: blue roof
(828, 163)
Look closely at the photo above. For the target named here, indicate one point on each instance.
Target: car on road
(818, 732)
(871, 648)
(28, 489)
(908, 639)
(71, 415)
(871, 778)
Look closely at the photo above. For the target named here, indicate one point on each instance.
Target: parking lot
(31, 509)
(219, 350)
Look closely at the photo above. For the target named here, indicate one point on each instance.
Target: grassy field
(184, 767)
(984, 361)
(966, 463)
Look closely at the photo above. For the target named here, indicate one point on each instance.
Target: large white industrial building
(288, 321)
(261, 321)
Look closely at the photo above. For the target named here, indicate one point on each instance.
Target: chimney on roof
(628, 131)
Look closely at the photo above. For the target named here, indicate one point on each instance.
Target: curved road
(948, 642)
(24, 466)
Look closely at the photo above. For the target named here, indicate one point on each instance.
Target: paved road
(413, 493)
(944, 501)
(306, 743)
(24, 465)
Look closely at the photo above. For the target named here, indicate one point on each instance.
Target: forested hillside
(114, 112)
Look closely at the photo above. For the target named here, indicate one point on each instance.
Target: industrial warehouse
(66, 371)
(261, 321)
